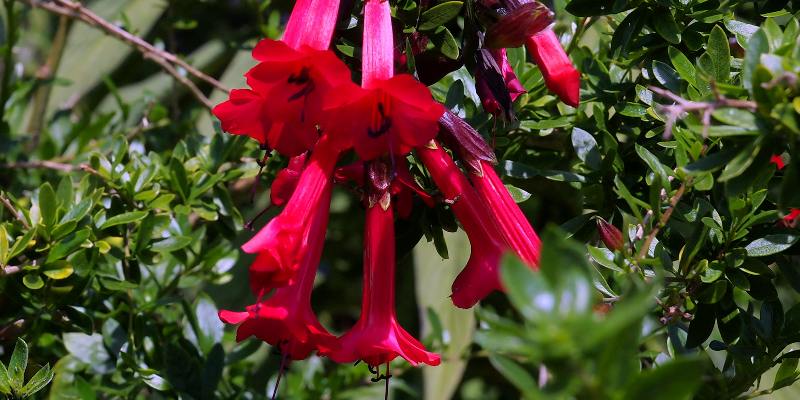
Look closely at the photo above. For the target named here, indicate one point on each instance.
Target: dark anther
(303, 78)
(385, 124)
(356, 363)
(372, 370)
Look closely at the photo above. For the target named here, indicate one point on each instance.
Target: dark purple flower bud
(466, 142)
(510, 22)
(609, 234)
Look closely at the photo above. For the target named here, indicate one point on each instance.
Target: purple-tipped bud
(610, 235)
(466, 142)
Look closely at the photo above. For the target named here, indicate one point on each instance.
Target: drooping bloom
(481, 274)
(286, 319)
(496, 83)
(282, 242)
(511, 22)
(559, 74)
(610, 235)
(515, 229)
(286, 181)
(284, 105)
(377, 338)
(389, 113)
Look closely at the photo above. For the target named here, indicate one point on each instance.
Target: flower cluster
(302, 104)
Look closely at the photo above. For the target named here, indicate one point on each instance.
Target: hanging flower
(560, 75)
(481, 274)
(389, 113)
(377, 338)
(515, 229)
(286, 181)
(281, 243)
(496, 83)
(293, 77)
(286, 319)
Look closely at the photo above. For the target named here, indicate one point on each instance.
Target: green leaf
(515, 374)
(683, 66)
(22, 243)
(38, 381)
(590, 8)
(666, 76)
(124, 218)
(17, 365)
(787, 373)
(68, 245)
(522, 171)
(171, 243)
(439, 14)
(720, 52)
(528, 291)
(741, 161)
(48, 205)
(5, 382)
(714, 292)
(445, 42)
(3, 246)
(33, 281)
(517, 194)
(586, 148)
(757, 45)
(661, 171)
(771, 244)
(664, 24)
(675, 380)
(116, 284)
(78, 211)
(61, 271)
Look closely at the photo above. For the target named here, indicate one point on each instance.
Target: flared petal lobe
(377, 337)
(393, 116)
(281, 243)
(286, 319)
(560, 75)
(480, 276)
(294, 83)
(244, 114)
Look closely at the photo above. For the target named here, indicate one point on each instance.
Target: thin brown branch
(41, 164)
(704, 108)
(10, 207)
(168, 61)
(662, 222)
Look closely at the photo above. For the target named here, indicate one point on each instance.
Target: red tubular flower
(281, 243)
(286, 319)
(560, 75)
(390, 113)
(377, 338)
(290, 82)
(778, 161)
(515, 229)
(286, 181)
(610, 235)
(481, 274)
(791, 219)
(485, 84)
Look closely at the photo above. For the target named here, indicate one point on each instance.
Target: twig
(9, 270)
(705, 108)
(662, 222)
(166, 60)
(41, 164)
(44, 74)
(14, 211)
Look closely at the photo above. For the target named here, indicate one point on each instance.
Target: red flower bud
(511, 22)
(560, 75)
(610, 235)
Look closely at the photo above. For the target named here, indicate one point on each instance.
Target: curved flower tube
(286, 181)
(293, 77)
(281, 243)
(481, 274)
(286, 319)
(377, 338)
(560, 75)
(393, 113)
(515, 229)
